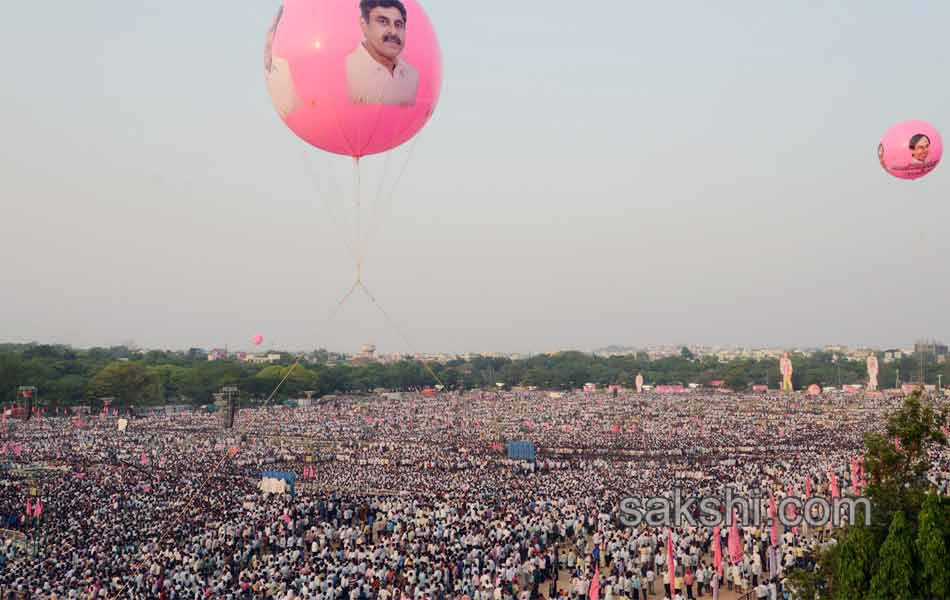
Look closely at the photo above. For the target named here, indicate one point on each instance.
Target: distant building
(217, 354)
(893, 355)
(366, 356)
(262, 359)
(930, 347)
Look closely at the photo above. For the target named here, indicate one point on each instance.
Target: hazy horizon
(627, 175)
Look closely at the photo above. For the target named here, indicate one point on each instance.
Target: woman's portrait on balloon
(376, 73)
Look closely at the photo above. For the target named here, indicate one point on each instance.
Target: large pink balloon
(346, 96)
(257, 339)
(910, 150)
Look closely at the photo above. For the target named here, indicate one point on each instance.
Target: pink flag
(717, 550)
(897, 445)
(864, 481)
(735, 543)
(615, 428)
(595, 584)
(808, 487)
(835, 492)
(143, 459)
(855, 483)
(773, 512)
(29, 508)
(670, 561)
(38, 508)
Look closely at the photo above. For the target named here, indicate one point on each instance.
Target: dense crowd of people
(413, 497)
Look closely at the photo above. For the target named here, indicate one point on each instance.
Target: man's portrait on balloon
(880, 155)
(919, 148)
(280, 84)
(375, 71)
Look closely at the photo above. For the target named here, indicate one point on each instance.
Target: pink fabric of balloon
(331, 91)
(257, 339)
(910, 150)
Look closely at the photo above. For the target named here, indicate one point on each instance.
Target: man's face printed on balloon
(385, 31)
(921, 148)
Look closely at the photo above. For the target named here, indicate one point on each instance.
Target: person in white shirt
(375, 73)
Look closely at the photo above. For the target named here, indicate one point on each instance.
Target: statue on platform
(785, 366)
(873, 370)
(639, 382)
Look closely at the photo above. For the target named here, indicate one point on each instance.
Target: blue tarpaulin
(522, 451)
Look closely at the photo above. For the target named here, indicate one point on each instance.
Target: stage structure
(230, 414)
(28, 393)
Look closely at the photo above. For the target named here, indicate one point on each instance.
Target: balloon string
(377, 223)
(399, 331)
(333, 312)
(359, 219)
(374, 206)
(228, 454)
(184, 512)
(323, 197)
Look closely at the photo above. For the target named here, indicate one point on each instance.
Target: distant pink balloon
(257, 339)
(910, 150)
(333, 91)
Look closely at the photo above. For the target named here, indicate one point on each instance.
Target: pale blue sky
(616, 172)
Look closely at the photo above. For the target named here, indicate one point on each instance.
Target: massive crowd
(413, 497)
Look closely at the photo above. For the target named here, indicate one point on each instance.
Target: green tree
(736, 379)
(857, 553)
(129, 383)
(932, 549)
(895, 576)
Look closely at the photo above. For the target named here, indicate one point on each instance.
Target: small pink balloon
(910, 150)
(257, 339)
(349, 84)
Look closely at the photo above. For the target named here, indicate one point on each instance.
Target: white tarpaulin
(269, 485)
